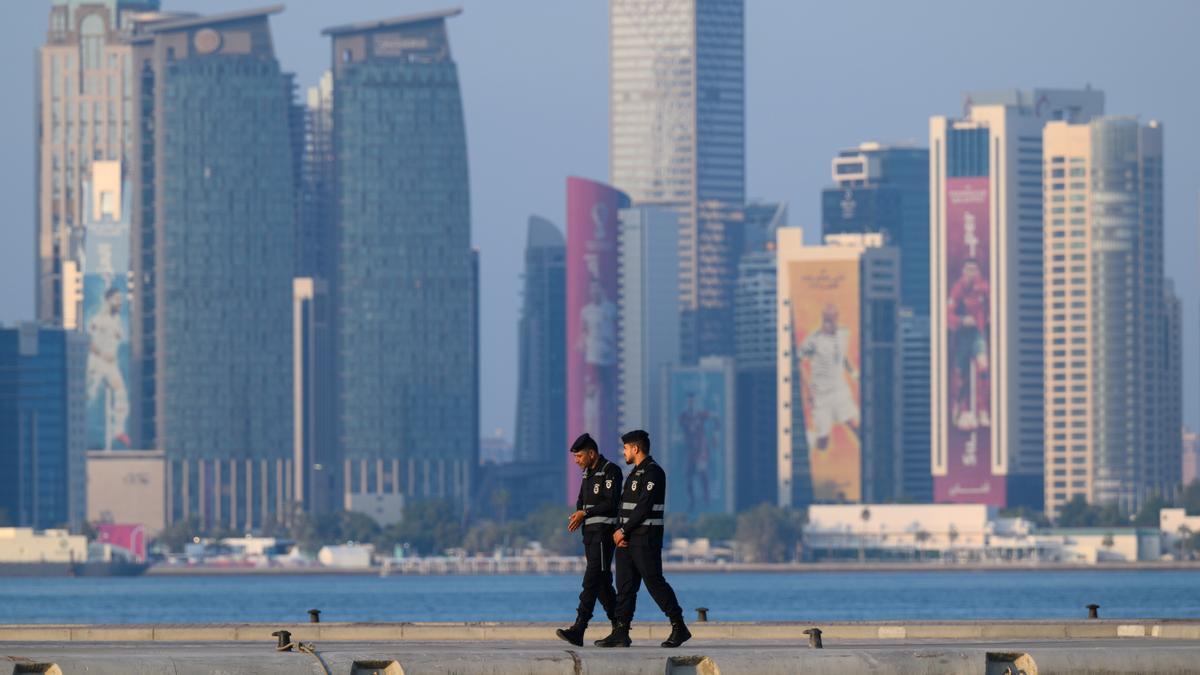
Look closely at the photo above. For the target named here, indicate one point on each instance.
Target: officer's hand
(575, 521)
(619, 539)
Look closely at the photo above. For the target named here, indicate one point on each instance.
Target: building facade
(839, 376)
(405, 279)
(316, 461)
(541, 426)
(677, 139)
(43, 461)
(84, 112)
(882, 188)
(1106, 344)
(986, 324)
(593, 316)
(754, 318)
(696, 441)
(648, 303)
(213, 248)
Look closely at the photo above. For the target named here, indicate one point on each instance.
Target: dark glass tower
(404, 279)
(541, 434)
(213, 251)
(42, 443)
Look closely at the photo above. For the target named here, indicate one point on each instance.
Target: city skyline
(579, 119)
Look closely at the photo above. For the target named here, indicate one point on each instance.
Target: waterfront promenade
(1084, 646)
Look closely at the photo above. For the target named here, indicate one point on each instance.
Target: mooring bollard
(814, 638)
(1093, 612)
(701, 614)
(285, 641)
(314, 616)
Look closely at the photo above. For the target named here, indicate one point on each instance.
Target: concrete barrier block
(1131, 630)
(844, 631)
(892, 632)
(1176, 631)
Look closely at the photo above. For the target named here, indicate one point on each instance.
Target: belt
(600, 520)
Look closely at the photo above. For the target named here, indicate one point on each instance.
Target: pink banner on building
(592, 319)
(967, 356)
(132, 538)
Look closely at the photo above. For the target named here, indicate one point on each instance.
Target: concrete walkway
(391, 649)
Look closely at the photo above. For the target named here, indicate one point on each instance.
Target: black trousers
(636, 564)
(598, 578)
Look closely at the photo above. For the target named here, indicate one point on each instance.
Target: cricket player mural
(106, 307)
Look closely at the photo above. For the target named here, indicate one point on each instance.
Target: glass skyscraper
(1112, 411)
(677, 139)
(213, 248)
(541, 429)
(405, 278)
(42, 437)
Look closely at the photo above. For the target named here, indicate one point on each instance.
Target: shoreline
(693, 568)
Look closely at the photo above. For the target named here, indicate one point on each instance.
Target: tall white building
(647, 268)
(1110, 433)
(986, 292)
(677, 138)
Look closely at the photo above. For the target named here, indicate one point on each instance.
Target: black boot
(574, 634)
(679, 635)
(618, 638)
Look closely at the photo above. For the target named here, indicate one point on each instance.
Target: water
(799, 596)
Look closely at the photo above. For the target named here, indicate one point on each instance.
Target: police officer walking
(639, 542)
(596, 512)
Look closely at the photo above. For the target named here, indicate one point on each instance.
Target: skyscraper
(986, 293)
(84, 112)
(405, 278)
(316, 461)
(541, 429)
(647, 268)
(1110, 431)
(42, 437)
(839, 378)
(885, 188)
(593, 319)
(677, 139)
(755, 344)
(213, 180)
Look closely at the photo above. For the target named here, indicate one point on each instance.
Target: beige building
(25, 545)
(1111, 433)
(127, 487)
(84, 113)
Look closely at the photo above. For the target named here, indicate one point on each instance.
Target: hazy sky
(820, 76)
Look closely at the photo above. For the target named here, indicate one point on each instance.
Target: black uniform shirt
(642, 504)
(599, 498)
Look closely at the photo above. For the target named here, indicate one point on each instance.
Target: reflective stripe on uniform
(628, 505)
(658, 507)
(600, 520)
(652, 521)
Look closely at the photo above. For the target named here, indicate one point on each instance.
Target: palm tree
(922, 537)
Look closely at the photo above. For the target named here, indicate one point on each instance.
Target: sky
(820, 76)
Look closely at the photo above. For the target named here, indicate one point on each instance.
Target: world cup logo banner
(967, 356)
(825, 302)
(592, 319)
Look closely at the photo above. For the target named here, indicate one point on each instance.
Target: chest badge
(633, 486)
(608, 484)
(650, 486)
(596, 489)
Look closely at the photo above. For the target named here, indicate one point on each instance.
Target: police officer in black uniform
(596, 512)
(639, 542)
